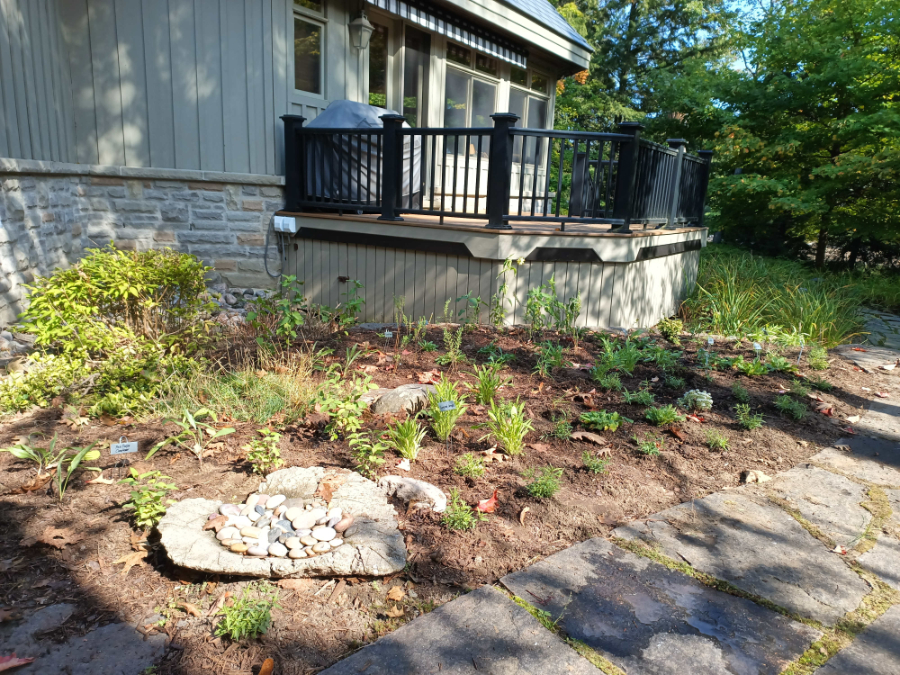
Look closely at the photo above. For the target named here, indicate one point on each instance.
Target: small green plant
(344, 315)
(46, 458)
(369, 454)
(790, 407)
(550, 356)
(780, 364)
(562, 429)
(406, 437)
(72, 462)
(469, 313)
(195, 435)
(508, 426)
(695, 399)
(469, 465)
(280, 315)
(427, 346)
(673, 382)
(497, 311)
(671, 330)
(601, 420)
(818, 358)
(487, 382)
(606, 380)
(746, 419)
(740, 393)
(459, 515)
(642, 396)
(663, 415)
(148, 497)
(660, 356)
(594, 463)
(496, 354)
(623, 358)
(544, 482)
(453, 345)
(651, 444)
(716, 440)
(443, 421)
(263, 454)
(820, 383)
(753, 368)
(246, 618)
(799, 388)
(341, 400)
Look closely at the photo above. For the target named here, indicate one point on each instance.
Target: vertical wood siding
(633, 295)
(35, 97)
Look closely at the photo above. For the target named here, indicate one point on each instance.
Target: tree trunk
(820, 246)
(854, 251)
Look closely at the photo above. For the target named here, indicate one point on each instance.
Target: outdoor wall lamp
(360, 32)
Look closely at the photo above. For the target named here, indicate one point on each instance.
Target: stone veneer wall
(51, 212)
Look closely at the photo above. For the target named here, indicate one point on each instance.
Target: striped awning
(457, 29)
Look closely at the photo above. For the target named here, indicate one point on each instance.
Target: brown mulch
(319, 621)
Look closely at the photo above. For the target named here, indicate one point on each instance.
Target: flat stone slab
(482, 632)
(882, 419)
(872, 460)
(827, 500)
(373, 546)
(751, 543)
(871, 358)
(876, 651)
(646, 618)
(884, 561)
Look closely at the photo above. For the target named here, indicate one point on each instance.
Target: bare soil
(319, 621)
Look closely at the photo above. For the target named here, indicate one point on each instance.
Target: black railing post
(626, 180)
(294, 164)
(706, 156)
(678, 144)
(391, 166)
(500, 170)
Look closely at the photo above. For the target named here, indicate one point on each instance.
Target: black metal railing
(502, 173)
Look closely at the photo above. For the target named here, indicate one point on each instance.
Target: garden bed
(77, 550)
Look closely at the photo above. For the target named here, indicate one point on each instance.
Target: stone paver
(871, 357)
(827, 500)
(882, 419)
(759, 548)
(884, 561)
(646, 618)
(883, 329)
(482, 632)
(876, 651)
(872, 460)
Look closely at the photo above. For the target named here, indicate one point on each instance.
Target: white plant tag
(388, 334)
(123, 447)
(444, 406)
(757, 346)
(709, 341)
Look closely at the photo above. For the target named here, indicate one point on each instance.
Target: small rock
(279, 550)
(250, 531)
(293, 542)
(321, 547)
(755, 476)
(240, 521)
(261, 510)
(334, 543)
(262, 500)
(230, 510)
(246, 510)
(273, 535)
(324, 533)
(304, 522)
(297, 553)
(317, 514)
(333, 520)
(409, 398)
(239, 548)
(254, 516)
(252, 500)
(258, 551)
(281, 510)
(293, 513)
(227, 533)
(230, 299)
(308, 550)
(303, 533)
(284, 525)
(275, 500)
(263, 522)
(308, 540)
(344, 523)
(412, 490)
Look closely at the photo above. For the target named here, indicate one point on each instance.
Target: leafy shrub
(640, 397)
(664, 415)
(753, 368)
(661, 356)
(544, 309)
(695, 399)
(622, 357)
(791, 407)
(740, 393)
(341, 399)
(601, 420)
(263, 453)
(469, 465)
(453, 345)
(405, 437)
(443, 421)
(593, 463)
(508, 426)
(496, 355)
(459, 515)
(781, 365)
(148, 497)
(716, 440)
(246, 618)
(427, 346)
(369, 454)
(66, 461)
(487, 382)
(746, 419)
(651, 445)
(544, 483)
(605, 379)
(671, 330)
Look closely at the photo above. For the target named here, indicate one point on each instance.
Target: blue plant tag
(388, 334)
(444, 406)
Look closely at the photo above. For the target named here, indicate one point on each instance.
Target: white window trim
(310, 17)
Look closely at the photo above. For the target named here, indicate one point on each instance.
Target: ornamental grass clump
(508, 426)
(405, 437)
(445, 405)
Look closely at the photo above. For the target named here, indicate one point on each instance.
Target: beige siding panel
(158, 63)
(256, 125)
(63, 83)
(390, 269)
(370, 280)
(409, 280)
(133, 73)
(34, 76)
(385, 305)
(28, 138)
(421, 282)
(607, 289)
(43, 50)
(183, 36)
(9, 134)
(487, 275)
(107, 92)
(209, 85)
(268, 120)
(453, 273)
(280, 70)
(74, 19)
(234, 86)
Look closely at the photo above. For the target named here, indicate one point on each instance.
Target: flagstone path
(808, 545)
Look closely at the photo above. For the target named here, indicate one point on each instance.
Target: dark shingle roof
(543, 12)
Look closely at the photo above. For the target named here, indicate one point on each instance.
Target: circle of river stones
(271, 526)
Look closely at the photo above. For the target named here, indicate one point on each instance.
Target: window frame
(496, 81)
(315, 18)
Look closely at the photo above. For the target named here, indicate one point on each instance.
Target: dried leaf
(329, 486)
(859, 349)
(678, 433)
(589, 437)
(189, 608)
(129, 560)
(695, 418)
(107, 421)
(395, 612)
(396, 594)
(540, 447)
(8, 662)
(8, 614)
(220, 601)
(100, 480)
(267, 667)
(139, 541)
(825, 409)
(881, 394)
(58, 537)
(36, 483)
(522, 515)
(488, 505)
(429, 376)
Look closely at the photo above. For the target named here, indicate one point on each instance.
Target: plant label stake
(800, 356)
(757, 347)
(709, 343)
(446, 406)
(123, 447)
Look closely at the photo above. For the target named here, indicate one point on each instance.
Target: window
(486, 64)
(532, 112)
(518, 76)
(470, 101)
(307, 55)
(539, 82)
(314, 5)
(378, 64)
(416, 58)
(459, 55)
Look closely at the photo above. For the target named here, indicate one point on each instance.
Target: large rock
(755, 545)
(409, 398)
(646, 618)
(415, 492)
(876, 651)
(373, 544)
